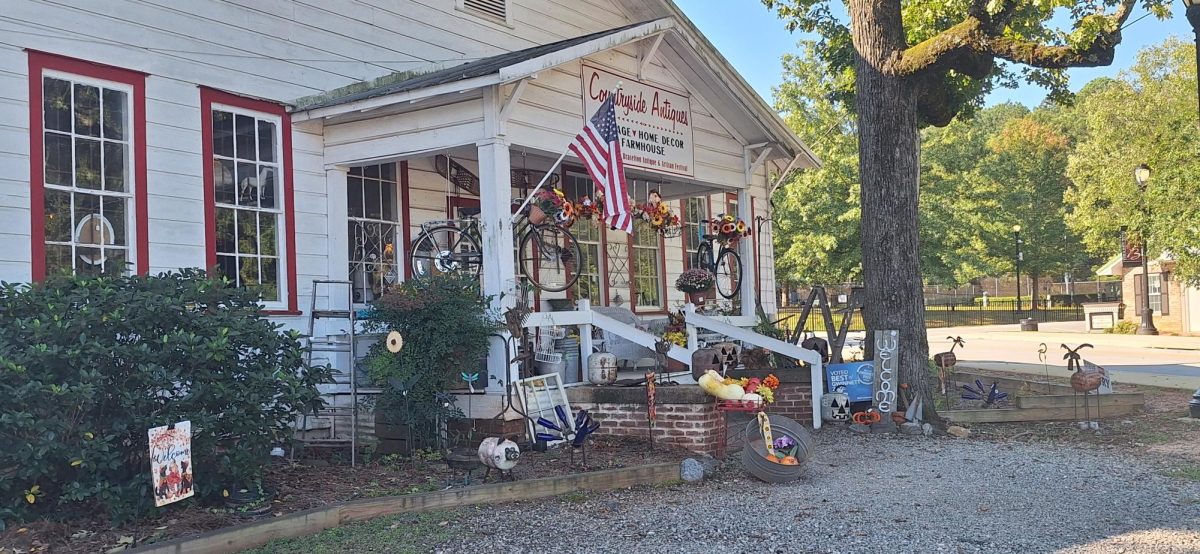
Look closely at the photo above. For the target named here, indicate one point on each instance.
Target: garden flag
(171, 462)
(598, 146)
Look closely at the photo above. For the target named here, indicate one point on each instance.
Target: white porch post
(746, 251)
(495, 197)
(335, 201)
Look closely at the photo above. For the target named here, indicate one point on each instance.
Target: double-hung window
(86, 193)
(695, 211)
(250, 197)
(591, 241)
(373, 212)
(647, 266)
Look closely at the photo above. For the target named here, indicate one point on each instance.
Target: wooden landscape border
(1062, 404)
(308, 522)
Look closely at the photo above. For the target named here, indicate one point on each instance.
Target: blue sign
(854, 378)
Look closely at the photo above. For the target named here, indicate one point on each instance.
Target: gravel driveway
(874, 494)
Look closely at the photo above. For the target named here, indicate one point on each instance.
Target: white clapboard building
(287, 141)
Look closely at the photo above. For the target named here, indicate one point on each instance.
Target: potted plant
(695, 283)
(550, 205)
(445, 322)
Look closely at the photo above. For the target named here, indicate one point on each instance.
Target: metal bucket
(754, 455)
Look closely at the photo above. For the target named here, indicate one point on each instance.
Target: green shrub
(445, 322)
(1122, 328)
(88, 365)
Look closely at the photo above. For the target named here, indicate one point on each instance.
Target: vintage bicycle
(548, 254)
(726, 264)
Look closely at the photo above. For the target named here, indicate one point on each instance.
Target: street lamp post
(1017, 243)
(1193, 17)
(1141, 174)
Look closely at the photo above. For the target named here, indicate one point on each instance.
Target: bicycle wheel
(550, 257)
(445, 249)
(729, 273)
(703, 256)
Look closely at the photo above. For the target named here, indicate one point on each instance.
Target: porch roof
(756, 121)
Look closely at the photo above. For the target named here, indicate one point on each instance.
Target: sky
(753, 39)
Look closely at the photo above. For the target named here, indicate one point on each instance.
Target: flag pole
(546, 176)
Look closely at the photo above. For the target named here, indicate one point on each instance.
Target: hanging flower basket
(695, 281)
(550, 204)
(729, 229)
(660, 217)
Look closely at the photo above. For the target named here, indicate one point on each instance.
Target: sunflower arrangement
(555, 205)
(729, 229)
(587, 208)
(660, 217)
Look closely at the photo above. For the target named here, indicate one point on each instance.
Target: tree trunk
(889, 168)
(1033, 291)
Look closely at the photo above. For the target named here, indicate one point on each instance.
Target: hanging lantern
(835, 407)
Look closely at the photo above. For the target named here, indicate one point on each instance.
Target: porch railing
(586, 318)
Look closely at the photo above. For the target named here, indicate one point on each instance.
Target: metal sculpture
(651, 407)
(1042, 349)
(945, 362)
(500, 454)
(1086, 377)
(574, 432)
(990, 396)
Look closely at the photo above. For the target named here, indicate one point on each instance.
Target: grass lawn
(935, 316)
(401, 534)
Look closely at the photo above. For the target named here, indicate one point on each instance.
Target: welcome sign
(655, 124)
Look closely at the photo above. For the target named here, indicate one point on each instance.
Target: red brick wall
(691, 426)
(794, 400)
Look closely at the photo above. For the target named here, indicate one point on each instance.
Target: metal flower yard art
(575, 432)
(990, 396)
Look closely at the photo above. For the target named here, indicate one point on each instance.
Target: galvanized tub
(754, 455)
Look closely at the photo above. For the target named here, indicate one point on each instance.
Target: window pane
(227, 267)
(114, 114)
(389, 201)
(247, 232)
(114, 166)
(85, 206)
(270, 279)
(371, 198)
(267, 186)
(225, 238)
(59, 169)
(247, 184)
(387, 172)
(88, 260)
(58, 259)
(248, 271)
(223, 134)
(56, 104)
(87, 110)
(266, 232)
(87, 163)
(266, 141)
(116, 261)
(58, 216)
(354, 197)
(371, 172)
(223, 179)
(244, 137)
(114, 213)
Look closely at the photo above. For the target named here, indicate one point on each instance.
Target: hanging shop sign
(171, 462)
(887, 363)
(655, 124)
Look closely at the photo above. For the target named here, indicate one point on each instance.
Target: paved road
(1159, 361)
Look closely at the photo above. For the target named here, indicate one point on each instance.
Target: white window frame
(398, 224)
(1154, 298)
(283, 286)
(692, 230)
(133, 142)
(660, 281)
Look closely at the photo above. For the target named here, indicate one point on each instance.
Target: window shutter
(497, 9)
(1138, 301)
(1166, 308)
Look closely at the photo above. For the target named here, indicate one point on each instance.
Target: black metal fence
(1002, 312)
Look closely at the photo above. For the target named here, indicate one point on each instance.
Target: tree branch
(977, 39)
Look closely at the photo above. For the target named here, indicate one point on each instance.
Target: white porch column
(495, 199)
(335, 201)
(746, 251)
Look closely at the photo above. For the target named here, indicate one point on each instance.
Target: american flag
(598, 146)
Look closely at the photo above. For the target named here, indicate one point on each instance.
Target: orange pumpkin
(773, 458)
(789, 461)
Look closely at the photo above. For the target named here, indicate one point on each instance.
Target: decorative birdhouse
(835, 407)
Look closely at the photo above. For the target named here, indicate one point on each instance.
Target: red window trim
(38, 63)
(406, 218)
(208, 97)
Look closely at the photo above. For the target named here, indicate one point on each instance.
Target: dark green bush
(445, 322)
(87, 366)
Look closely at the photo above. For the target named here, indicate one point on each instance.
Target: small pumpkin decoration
(789, 461)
